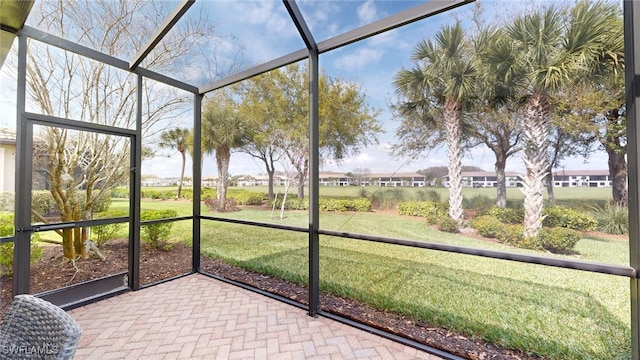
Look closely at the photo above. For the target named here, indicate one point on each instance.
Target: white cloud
(367, 12)
(358, 59)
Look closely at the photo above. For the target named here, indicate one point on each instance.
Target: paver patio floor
(197, 317)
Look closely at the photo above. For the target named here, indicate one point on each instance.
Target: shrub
(6, 225)
(387, 199)
(103, 233)
(560, 216)
(487, 226)
(7, 201)
(362, 205)
(430, 195)
(507, 215)
(244, 197)
(155, 235)
(158, 194)
(6, 249)
(330, 204)
(512, 234)
(205, 193)
(478, 202)
(432, 211)
(292, 203)
(43, 203)
(448, 224)
(559, 240)
(101, 204)
(120, 193)
(612, 219)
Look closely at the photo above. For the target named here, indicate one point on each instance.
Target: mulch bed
(51, 272)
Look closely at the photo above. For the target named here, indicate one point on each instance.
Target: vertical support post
(314, 165)
(632, 87)
(197, 179)
(23, 173)
(134, 205)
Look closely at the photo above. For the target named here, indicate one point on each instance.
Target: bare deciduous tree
(69, 86)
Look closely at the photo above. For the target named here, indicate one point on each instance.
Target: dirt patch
(52, 271)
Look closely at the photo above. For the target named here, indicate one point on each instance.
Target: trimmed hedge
(560, 216)
(326, 204)
(507, 215)
(432, 211)
(487, 226)
(559, 240)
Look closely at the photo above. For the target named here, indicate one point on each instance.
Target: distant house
(563, 178)
(380, 179)
(335, 179)
(7, 159)
(482, 179)
(397, 179)
(582, 178)
(261, 180)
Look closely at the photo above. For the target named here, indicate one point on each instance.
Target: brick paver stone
(196, 317)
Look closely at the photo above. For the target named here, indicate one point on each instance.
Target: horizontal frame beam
(67, 45)
(608, 269)
(394, 21)
(256, 70)
(166, 26)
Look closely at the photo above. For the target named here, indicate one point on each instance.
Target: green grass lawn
(551, 312)
(555, 313)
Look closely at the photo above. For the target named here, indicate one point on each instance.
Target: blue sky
(370, 63)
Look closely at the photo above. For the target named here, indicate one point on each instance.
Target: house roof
(580, 172)
(7, 136)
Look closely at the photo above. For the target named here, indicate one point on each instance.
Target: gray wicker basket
(36, 329)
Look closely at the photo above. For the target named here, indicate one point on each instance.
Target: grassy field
(551, 312)
(556, 313)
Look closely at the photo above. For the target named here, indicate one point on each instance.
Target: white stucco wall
(7, 167)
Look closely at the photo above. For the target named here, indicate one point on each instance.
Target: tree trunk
(501, 180)
(300, 180)
(184, 161)
(223, 155)
(549, 181)
(452, 118)
(536, 133)
(270, 173)
(618, 175)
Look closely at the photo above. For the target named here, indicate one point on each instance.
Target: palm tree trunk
(453, 117)
(536, 133)
(184, 161)
(223, 154)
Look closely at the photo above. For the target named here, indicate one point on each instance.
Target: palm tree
(545, 51)
(436, 89)
(493, 122)
(223, 129)
(177, 139)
